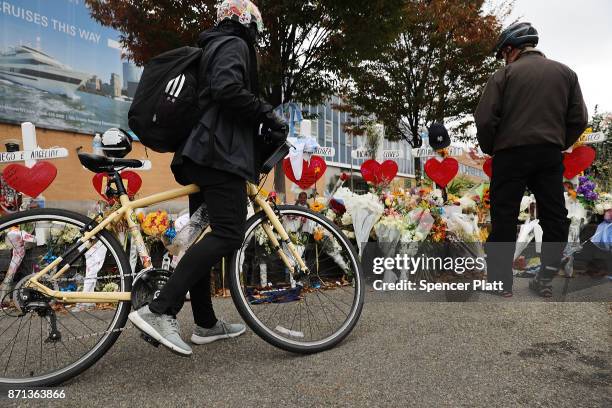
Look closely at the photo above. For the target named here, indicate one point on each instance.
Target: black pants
(225, 197)
(540, 169)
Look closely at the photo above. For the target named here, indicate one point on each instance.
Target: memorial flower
(155, 223)
(603, 203)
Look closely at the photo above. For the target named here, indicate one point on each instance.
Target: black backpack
(165, 107)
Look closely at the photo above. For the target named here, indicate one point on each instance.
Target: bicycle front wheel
(307, 313)
(44, 341)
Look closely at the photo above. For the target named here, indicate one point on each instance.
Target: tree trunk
(417, 160)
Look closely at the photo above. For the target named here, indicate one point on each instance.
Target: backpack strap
(207, 58)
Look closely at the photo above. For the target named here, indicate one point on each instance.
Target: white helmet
(116, 143)
(242, 11)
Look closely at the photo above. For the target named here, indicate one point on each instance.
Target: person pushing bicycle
(219, 156)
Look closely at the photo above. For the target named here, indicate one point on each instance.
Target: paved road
(489, 353)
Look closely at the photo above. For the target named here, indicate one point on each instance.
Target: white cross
(31, 151)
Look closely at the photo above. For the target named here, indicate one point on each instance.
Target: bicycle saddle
(103, 164)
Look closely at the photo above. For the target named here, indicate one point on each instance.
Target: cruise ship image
(31, 67)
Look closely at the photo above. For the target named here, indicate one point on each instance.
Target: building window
(329, 131)
(315, 128)
(347, 136)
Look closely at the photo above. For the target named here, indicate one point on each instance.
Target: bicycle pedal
(150, 340)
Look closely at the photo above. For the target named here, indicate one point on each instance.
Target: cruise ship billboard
(60, 69)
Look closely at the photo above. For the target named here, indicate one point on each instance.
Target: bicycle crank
(147, 285)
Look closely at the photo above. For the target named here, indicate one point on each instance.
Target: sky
(578, 34)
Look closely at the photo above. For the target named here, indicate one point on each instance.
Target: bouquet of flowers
(365, 210)
(155, 223)
(318, 205)
(586, 191)
(603, 204)
(389, 230)
(464, 239)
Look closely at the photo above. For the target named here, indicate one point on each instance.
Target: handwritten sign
(325, 151)
(391, 154)
(360, 153)
(38, 154)
(592, 138)
(453, 151)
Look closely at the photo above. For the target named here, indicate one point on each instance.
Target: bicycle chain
(133, 275)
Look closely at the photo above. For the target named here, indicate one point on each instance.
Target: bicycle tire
(120, 318)
(261, 330)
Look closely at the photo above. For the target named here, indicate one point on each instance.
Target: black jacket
(533, 100)
(225, 138)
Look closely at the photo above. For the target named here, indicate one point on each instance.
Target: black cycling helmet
(517, 35)
(116, 143)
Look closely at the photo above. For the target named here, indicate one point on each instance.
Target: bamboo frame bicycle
(308, 300)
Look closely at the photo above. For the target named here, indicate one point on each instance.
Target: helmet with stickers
(242, 11)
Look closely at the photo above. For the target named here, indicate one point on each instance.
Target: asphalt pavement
(483, 353)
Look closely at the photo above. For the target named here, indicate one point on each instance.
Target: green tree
(433, 70)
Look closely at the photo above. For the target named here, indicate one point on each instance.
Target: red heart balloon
(577, 161)
(311, 172)
(131, 180)
(30, 181)
(379, 173)
(488, 167)
(442, 172)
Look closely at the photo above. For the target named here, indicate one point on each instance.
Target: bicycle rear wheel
(313, 312)
(43, 341)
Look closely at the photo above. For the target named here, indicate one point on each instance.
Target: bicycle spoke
(331, 327)
(75, 337)
(65, 336)
(303, 308)
(82, 322)
(41, 345)
(13, 345)
(25, 355)
(334, 303)
(308, 315)
(11, 325)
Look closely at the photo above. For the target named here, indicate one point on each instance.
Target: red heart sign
(379, 173)
(131, 181)
(442, 172)
(311, 172)
(30, 181)
(577, 161)
(488, 167)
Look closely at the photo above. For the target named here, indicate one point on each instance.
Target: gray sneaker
(163, 328)
(221, 330)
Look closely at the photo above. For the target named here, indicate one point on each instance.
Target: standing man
(531, 110)
(220, 155)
